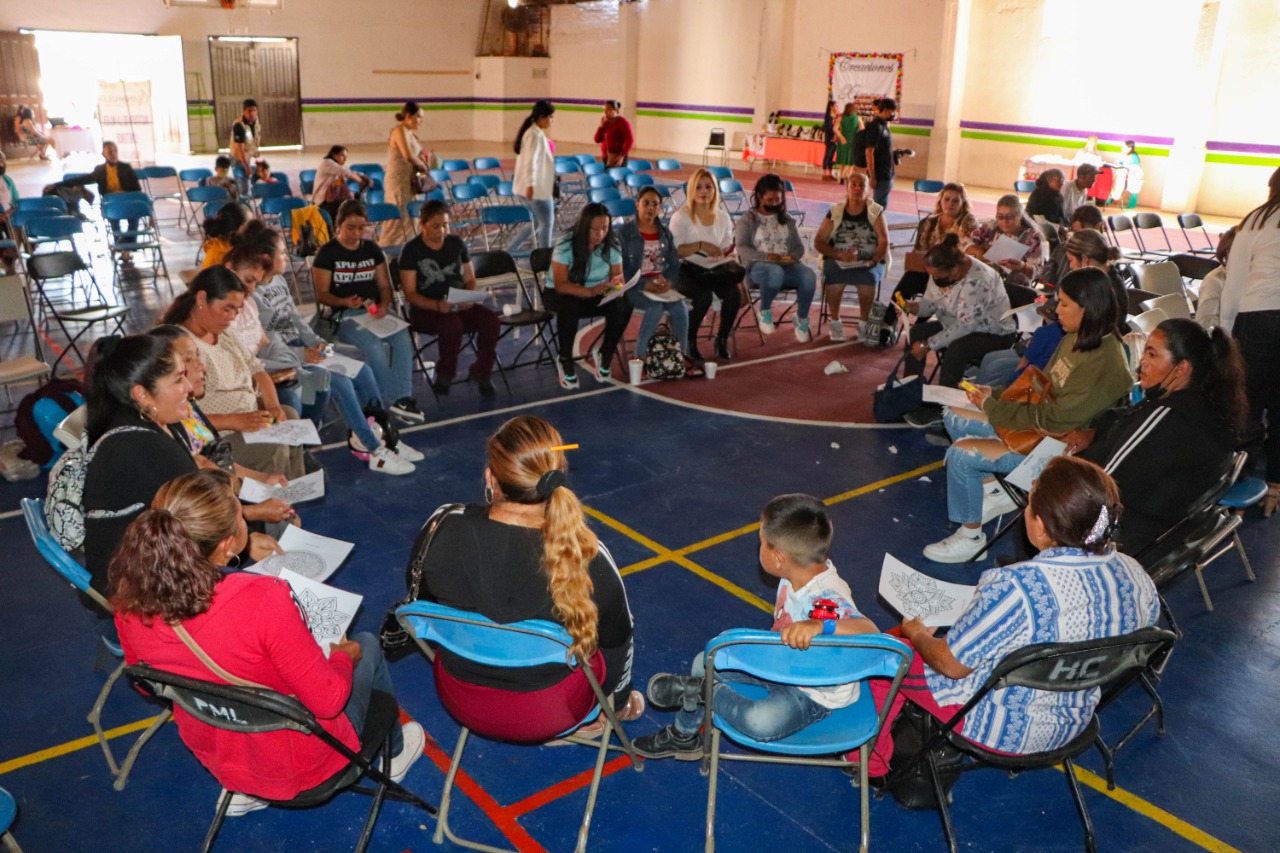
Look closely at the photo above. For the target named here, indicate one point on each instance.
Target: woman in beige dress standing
(405, 159)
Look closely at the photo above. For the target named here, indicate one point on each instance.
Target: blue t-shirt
(1041, 347)
(601, 263)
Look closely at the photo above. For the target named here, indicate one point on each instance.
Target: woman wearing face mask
(770, 247)
(961, 312)
(951, 215)
(1174, 445)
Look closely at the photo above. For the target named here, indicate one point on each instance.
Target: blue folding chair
(488, 164)
(366, 168)
(306, 182)
(455, 165)
(374, 195)
(635, 182)
(205, 195)
(505, 192)
(262, 190)
(465, 210)
(153, 178)
(794, 209)
(51, 203)
(501, 221)
(603, 194)
(666, 164)
(601, 181)
(720, 173)
(639, 165)
(8, 811)
(44, 228)
(590, 169)
(144, 237)
(733, 197)
(621, 208)
(489, 182)
(619, 173)
(378, 213)
(211, 208)
(189, 179)
(520, 644)
(78, 577)
(830, 660)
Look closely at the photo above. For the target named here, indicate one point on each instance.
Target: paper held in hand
(306, 488)
(1005, 248)
(458, 294)
(952, 398)
(309, 554)
(913, 594)
(293, 432)
(347, 366)
(614, 292)
(1028, 470)
(1026, 316)
(383, 325)
(329, 611)
(708, 262)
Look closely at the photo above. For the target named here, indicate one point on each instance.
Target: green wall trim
(1054, 142)
(1241, 159)
(720, 117)
(911, 130)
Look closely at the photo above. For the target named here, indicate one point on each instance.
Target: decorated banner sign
(863, 77)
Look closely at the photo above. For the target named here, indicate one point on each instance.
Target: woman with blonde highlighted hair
(703, 231)
(527, 553)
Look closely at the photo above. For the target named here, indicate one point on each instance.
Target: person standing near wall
(614, 135)
(879, 148)
(246, 134)
(535, 175)
(847, 130)
(829, 121)
(405, 160)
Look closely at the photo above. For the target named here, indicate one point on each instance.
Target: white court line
(13, 513)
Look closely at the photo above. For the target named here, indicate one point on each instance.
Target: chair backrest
(114, 209)
(307, 175)
(71, 429)
(1194, 267)
(584, 159)
(8, 811)
(493, 262)
(1148, 220)
(248, 710)
(636, 165)
(1119, 222)
(374, 195)
(278, 206)
(489, 182)
(504, 189)
(1023, 186)
(455, 166)
(590, 169)
(716, 138)
(468, 192)
(533, 642)
(158, 172)
(828, 660)
(601, 181)
(192, 176)
(41, 202)
(1020, 295)
(540, 260)
(414, 207)
(1161, 277)
(266, 190)
(666, 164)
(619, 173)
(14, 306)
(720, 172)
(600, 196)
(1069, 667)
(440, 176)
(479, 164)
(1174, 305)
(365, 168)
(199, 195)
(1147, 321)
(505, 214)
(437, 194)
(211, 208)
(1190, 220)
(382, 212)
(927, 186)
(730, 187)
(637, 181)
(54, 554)
(129, 195)
(621, 207)
(48, 265)
(568, 167)
(53, 227)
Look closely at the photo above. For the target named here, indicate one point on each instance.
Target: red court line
(563, 789)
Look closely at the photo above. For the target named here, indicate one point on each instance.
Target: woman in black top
(829, 140)
(1047, 200)
(528, 554)
(432, 264)
(1173, 446)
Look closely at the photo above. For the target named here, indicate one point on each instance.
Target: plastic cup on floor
(636, 367)
(709, 369)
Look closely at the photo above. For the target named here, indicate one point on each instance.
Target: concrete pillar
(629, 41)
(944, 139)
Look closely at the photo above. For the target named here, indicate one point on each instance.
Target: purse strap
(429, 529)
(209, 662)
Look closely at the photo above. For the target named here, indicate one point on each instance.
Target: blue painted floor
(677, 477)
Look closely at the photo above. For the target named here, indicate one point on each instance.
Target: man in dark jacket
(111, 176)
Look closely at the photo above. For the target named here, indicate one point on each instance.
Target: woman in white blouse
(535, 174)
(703, 232)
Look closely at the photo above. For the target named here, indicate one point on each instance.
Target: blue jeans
(881, 193)
(369, 675)
(772, 278)
(653, 310)
(966, 469)
(544, 215)
(781, 711)
(391, 359)
(997, 367)
(351, 396)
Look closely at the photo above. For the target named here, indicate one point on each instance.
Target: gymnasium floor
(674, 490)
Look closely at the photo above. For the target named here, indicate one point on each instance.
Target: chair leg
(1089, 841)
(585, 828)
(1204, 590)
(122, 778)
(864, 794)
(1109, 758)
(1244, 558)
(366, 834)
(223, 802)
(10, 843)
(944, 811)
(714, 772)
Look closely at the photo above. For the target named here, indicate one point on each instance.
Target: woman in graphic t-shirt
(649, 249)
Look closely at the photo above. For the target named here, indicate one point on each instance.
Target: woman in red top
(614, 135)
(167, 573)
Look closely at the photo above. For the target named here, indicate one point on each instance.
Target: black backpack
(38, 446)
(664, 359)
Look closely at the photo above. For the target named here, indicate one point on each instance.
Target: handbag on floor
(897, 396)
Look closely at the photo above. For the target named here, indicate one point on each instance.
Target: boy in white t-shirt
(795, 541)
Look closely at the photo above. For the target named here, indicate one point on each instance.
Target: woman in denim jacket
(649, 248)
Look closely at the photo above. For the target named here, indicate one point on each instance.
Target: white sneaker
(959, 547)
(837, 332)
(802, 331)
(415, 741)
(408, 454)
(387, 462)
(242, 804)
(997, 504)
(766, 322)
(599, 366)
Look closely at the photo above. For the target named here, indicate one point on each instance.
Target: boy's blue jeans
(770, 712)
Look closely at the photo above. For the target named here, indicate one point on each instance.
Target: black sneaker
(722, 349)
(485, 386)
(668, 691)
(669, 743)
(406, 409)
(441, 386)
(924, 417)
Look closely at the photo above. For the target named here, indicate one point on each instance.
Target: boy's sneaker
(669, 743)
(766, 322)
(568, 381)
(802, 330)
(415, 740)
(668, 691)
(406, 409)
(385, 461)
(997, 504)
(959, 547)
(242, 804)
(407, 453)
(599, 366)
(837, 332)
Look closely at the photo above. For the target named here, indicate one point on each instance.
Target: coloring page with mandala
(914, 594)
(329, 611)
(306, 488)
(295, 432)
(310, 555)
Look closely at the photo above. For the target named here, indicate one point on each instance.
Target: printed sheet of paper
(914, 594)
(457, 294)
(329, 611)
(1027, 318)
(1005, 248)
(708, 262)
(615, 292)
(306, 488)
(343, 364)
(1028, 470)
(311, 555)
(952, 398)
(384, 325)
(294, 432)
(671, 295)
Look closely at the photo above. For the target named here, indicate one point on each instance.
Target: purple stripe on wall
(1243, 147)
(1058, 131)
(419, 99)
(699, 108)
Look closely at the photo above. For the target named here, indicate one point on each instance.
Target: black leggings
(828, 156)
(569, 310)
(701, 284)
(1258, 333)
(958, 355)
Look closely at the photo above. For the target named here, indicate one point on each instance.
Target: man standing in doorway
(245, 135)
(879, 148)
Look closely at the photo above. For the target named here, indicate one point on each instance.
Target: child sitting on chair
(262, 173)
(795, 541)
(221, 176)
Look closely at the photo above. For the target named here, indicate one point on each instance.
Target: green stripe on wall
(910, 130)
(1231, 159)
(725, 117)
(1053, 142)
(199, 111)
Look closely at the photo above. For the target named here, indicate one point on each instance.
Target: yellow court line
(71, 746)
